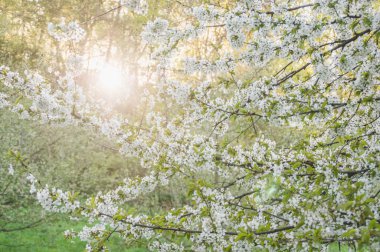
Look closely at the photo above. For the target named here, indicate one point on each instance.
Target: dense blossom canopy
(311, 67)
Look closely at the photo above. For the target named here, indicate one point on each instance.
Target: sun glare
(111, 78)
(112, 82)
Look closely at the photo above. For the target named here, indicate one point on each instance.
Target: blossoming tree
(311, 67)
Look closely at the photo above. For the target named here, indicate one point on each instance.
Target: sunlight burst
(111, 79)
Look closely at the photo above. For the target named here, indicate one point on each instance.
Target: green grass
(48, 237)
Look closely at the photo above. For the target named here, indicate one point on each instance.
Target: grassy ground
(48, 237)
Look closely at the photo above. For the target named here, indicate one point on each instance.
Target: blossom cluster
(64, 32)
(315, 68)
(138, 6)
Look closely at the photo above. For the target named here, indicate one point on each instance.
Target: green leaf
(365, 236)
(349, 233)
(367, 21)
